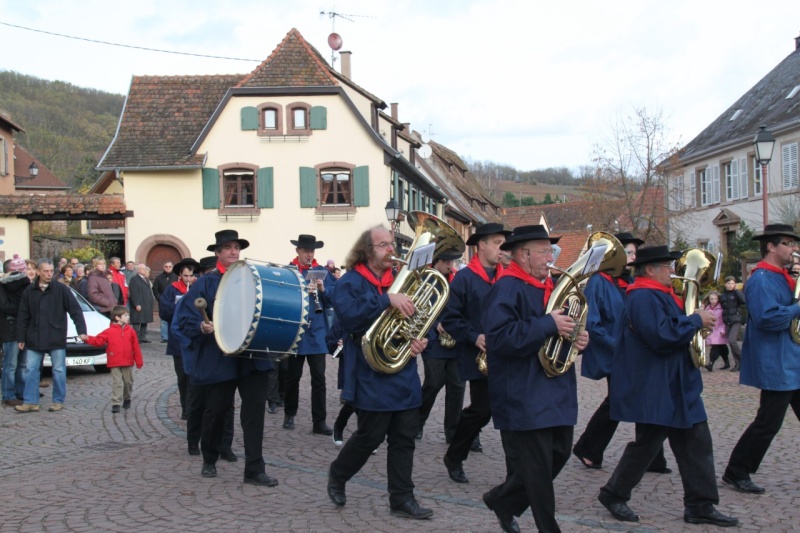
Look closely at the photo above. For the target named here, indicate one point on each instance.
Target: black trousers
(473, 418)
(534, 459)
(183, 382)
(693, 452)
(316, 366)
(141, 331)
(219, 396)
(344, 415)
(442, 373)
(717, 351)
(399, 428)
(733, 340)
(598, 433)
(756, 439)
(194, 418)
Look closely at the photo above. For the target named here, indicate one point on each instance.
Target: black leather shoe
(229, 456)
(507, 523)
(714, 517)
(288, 422)
(619, 510)
(208, 470)
(582, 459)
(322, 430)
(273, 408)
(726, 365)
(126, 404)
(115, 408)
(476, 445)
(336, 491)
(194, 449)
(411, 509)
(662, 470)
(338, 437)
(261, 479)
(710, 367)
(456, 471)
(743, 485)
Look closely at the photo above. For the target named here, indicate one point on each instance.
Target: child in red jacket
(122, 349)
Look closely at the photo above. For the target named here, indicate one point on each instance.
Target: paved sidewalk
(86, 469)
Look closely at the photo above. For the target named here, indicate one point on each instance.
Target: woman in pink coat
(718, 340)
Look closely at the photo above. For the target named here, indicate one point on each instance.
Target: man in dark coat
(535, 413)
(732, 300)
(12, 285)
(657, 386)
(42, 328)
(140, 296)
(162, 281)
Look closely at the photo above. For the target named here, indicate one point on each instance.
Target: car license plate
(80, 361)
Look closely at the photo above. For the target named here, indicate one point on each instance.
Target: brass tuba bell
(387, 343)
(559, 353)
(696, 268)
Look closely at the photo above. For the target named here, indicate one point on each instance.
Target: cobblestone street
(86, 469)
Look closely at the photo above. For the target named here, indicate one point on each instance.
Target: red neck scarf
(515, 271)
(766, 266)
(180, 286)
(303, 268)
(451, 275)
(476, 266)
(384, 283)
(646, 283)
(221, 268)
(618, 282)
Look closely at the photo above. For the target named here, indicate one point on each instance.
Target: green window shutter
(361, 186)
(210, 188)
(249, 118)
(319, 118)
(265, 188)
(308, 187)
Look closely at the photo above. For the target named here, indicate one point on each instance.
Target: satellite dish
(335, 41)
(425, 151)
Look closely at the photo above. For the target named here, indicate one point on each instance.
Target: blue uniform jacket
(770, 359)
(166, 311)
(603, 321)
(358, 304)
(521, 395)
(203, 360)
(313, 341)
(461, 318)
(655, 380)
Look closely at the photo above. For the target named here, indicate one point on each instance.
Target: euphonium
(696, 268)
(559, 352)
(387, 343)
(794, 325)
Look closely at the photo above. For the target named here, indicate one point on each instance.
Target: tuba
(603, 253)
(387, 343)
(696, 268)
(794, 325)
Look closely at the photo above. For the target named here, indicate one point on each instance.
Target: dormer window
(299, 119)
(297, 116)
(270, 119)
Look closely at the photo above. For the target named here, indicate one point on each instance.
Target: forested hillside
(67, 128)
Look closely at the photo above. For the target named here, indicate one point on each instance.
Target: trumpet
(794, 325)
(312, 290)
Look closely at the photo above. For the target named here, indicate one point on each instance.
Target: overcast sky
(528, 83)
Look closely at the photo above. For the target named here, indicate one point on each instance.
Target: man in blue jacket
(217, 376)
(535, 414)
(657, 386)
(312, 347)
(387, 404)
(770, 358)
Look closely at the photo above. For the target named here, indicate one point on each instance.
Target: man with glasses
(769, 356)
(461, 319)
(535, 414)
(657, 386)
(605, 297)
(387, 404)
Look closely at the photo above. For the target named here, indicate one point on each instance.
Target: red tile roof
(62, 205)
(572, 244)
(44, 180)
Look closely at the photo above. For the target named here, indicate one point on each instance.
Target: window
(270, 120)
(743, 183)
(789, 166)
(238, 188)
(335, 187)
(732, 180)
(757, 171)
(693, 190)
(297, 119)
(705, 187)
(3, 157)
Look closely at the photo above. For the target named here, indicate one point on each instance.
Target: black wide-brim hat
(492, 228)
(626, 238)
(225, 236)
(186, 262)
(654, 254)
(773, 230)
(535, 232)
(452, 256)
(208, 263)
(307, 242)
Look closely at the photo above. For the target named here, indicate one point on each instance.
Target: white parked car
(78, 352)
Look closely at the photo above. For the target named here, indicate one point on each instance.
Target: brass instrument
(483, 364)
(312, 285)
(446, 340)
(696, 268)
(387, 343)
(794, 325)
(559, 353)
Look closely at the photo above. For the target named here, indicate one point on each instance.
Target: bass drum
(260, 308)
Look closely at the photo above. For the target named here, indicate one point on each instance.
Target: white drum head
(233, 309)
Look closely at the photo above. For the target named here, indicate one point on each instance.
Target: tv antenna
(334, 39)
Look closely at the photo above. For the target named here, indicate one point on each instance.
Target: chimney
(797, 43)
(345, 57)
(394, 111)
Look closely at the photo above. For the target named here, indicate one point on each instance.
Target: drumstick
(201, 304)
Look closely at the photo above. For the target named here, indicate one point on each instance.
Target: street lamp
(33, 171)
(764, 144)
(392, 213)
